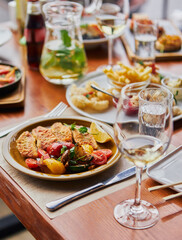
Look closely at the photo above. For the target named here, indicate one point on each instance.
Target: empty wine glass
(111, 20)
(142, 142)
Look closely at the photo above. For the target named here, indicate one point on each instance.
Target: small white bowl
(170, 84)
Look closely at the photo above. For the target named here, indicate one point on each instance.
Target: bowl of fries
(10, 77)
(122, 75)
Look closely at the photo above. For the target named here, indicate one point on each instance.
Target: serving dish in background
(170, 29)
(7, 88)
(107, 116)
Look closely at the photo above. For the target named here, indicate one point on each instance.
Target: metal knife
(54, 205)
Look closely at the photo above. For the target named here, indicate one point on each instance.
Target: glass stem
(138, 186)
(110, 43)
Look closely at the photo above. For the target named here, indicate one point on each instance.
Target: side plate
(168, 169)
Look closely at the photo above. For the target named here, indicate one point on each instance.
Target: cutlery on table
(166, 186)
(172, 196)
(103, 91)
(55, 112)
(54, 205)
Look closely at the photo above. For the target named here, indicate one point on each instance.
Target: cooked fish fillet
(84, 138)
(44, 137)
(62, 132)
(26, 145)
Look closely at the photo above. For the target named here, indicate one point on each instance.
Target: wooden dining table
(93, 220)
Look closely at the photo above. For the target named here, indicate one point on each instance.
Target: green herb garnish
(63, 149)
(161, 76)
(65, 38)
(174, 95)
(72, 152)
(59, 159)
(141, 62)
(73, 126)
(83, 129)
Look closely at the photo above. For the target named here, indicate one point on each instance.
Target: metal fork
(55, 112)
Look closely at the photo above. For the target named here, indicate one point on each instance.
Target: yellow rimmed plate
(12, 155)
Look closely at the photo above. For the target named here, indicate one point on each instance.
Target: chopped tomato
(153, 66)
(107, 152)
(4, 69)
(32, 164)
(55, 148)
(99, 158)
(89, 93)
(42, 153)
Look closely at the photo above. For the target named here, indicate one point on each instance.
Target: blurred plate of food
(91, 34)
(168, 44)
(10, 77)
(61, 149)
(96, 105)
(5, 35)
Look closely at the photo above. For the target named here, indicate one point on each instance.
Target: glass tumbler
(145, 37)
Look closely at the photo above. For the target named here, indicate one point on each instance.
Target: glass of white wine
(112, 20)
(143, 142)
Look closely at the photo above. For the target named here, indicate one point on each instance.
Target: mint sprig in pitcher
(63, 59)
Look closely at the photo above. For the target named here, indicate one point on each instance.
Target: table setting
(113, 97)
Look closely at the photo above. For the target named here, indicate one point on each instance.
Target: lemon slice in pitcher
(98, 133)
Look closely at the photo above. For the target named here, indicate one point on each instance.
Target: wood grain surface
(94, 220)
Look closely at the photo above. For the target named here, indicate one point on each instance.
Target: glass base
(136, 217)
(62, 81)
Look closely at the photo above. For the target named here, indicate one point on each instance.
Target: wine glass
(142, 142)
(111, 20)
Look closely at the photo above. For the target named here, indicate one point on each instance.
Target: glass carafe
(63, 59)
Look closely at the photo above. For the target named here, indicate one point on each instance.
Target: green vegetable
(72, 152)
(87, 96)
(161, 76)
(63, 149)
(79, 168)
(59, 159)
(82, 129)
(174, 95)
(73, 126)
(141, 62)
(65, 38)
(72, 162)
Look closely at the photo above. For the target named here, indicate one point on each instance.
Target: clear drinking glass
(145, 37)
(112, 24)
(143, 142)
(63, 59)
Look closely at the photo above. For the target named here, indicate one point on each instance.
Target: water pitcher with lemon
(63, 59)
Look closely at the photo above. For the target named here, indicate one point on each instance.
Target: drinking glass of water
(145, 37)
(143, 142)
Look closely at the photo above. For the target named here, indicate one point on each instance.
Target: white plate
(109, 115)
(168, 169)
(5, 35)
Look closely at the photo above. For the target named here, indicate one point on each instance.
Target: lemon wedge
(98, 133)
